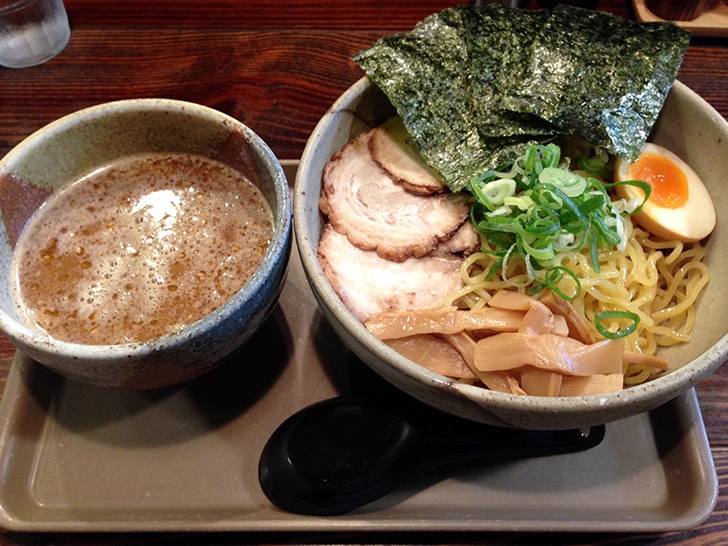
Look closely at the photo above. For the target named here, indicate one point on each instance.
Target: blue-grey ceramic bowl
(85, 140)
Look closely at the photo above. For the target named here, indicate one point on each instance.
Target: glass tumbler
(32, 31)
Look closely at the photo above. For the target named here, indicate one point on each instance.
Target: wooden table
(277, 66)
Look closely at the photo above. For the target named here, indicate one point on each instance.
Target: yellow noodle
(657, 280)
(636, 374)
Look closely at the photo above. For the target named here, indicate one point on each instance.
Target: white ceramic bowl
(83, 141)
(688, 125)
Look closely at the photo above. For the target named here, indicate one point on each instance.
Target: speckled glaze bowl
(83, 141)
(687, 125)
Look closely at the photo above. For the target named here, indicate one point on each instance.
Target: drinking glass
(32, 31)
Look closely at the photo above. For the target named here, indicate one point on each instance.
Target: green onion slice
(538, 208)
(599, 319)
(551, 279)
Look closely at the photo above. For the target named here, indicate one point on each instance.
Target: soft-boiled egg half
(679, 206)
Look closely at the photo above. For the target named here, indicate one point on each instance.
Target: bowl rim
(664, 387)
(16, 330)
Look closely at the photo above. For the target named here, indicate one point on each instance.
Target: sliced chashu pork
(464, 241)
(364, 203)
(391, 148)
(368, 284)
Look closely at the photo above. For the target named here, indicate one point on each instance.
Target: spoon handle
(340, 454)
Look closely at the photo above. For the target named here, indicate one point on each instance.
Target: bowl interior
(687, 125)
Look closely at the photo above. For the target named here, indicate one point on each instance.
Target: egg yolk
(668, 181)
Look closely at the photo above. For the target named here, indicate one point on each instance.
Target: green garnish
(551, 279)
(599, 319)
(538, 209)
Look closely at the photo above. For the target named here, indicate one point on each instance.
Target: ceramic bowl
(83, 141)
(687, 125)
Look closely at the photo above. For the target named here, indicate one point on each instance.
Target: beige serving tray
(79, 458)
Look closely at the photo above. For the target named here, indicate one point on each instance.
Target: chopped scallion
(538, 208)
(599, 319)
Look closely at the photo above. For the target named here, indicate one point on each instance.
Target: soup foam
(139, 248)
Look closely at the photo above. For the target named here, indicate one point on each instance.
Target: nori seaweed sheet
(475, 85)
(499, 41)
(422, 74)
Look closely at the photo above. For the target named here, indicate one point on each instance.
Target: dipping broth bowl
(85, 141)
(688, 125)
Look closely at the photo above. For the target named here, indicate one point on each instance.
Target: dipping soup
(139, 248)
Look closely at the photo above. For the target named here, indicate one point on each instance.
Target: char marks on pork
(391, 148)
(363, 202)
(464, 241)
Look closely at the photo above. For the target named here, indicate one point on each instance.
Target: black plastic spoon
(340, 454)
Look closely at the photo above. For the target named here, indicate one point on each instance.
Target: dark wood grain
(256, 15)
(266, 90)
(277, 66)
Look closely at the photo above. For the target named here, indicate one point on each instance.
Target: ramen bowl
(687, 125)
(85, 142)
